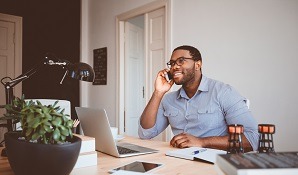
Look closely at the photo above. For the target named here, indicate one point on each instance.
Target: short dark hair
(194, 52)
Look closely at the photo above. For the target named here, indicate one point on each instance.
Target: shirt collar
(202, 87)
(204, 84)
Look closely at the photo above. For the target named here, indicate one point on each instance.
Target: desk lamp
(80, 71)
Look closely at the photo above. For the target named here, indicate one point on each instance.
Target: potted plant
(45, 145)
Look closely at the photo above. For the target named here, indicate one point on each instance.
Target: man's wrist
(202, 142)
(158, 93)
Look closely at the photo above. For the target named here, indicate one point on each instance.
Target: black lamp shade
(81, 71)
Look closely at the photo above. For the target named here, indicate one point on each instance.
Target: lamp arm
(59, 62)
(22, 77)
(8, 85)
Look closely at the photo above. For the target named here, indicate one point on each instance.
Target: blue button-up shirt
(214, 106)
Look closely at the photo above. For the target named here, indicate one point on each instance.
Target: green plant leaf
(38, 110)
(43, 121)
(48, 116)
(28, 132)
(34, 122)
(35, 136)
(38, 103)
(63, 138)
(57, 121)
(47, 123)
(56, 134)
(45, 109)
(47, 128)
(30, 117)
(69, 123)
(41, 130)
(57, 114)
(56, 102)
(45, 139)
(64, 131)
(70, 132)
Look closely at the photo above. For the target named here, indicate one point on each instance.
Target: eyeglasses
(179, 61)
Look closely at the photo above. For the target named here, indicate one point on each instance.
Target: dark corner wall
(48, 26)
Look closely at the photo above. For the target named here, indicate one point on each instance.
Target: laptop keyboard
(123, 150)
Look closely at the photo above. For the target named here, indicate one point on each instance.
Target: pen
(199, 151)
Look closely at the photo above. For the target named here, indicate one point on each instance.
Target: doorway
(10, 55)
(139, 63)
(134, 83)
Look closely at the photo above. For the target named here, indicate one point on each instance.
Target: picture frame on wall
(100, 66)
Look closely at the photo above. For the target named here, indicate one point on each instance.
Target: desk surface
(105, 162)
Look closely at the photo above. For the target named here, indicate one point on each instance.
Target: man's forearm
(148, 117)
(221, 142)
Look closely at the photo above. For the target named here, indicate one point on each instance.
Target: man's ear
(198, 65)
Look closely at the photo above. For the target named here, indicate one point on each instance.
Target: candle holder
(266, 138)
(235, 139)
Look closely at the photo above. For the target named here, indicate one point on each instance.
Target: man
(200, 110)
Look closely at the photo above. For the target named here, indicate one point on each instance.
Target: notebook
(95, 124)
(207, 155)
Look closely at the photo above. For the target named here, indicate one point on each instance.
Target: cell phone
(169, 76)
(137, 166)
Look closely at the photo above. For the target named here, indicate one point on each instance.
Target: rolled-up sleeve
(237, 112)
(160, 125)
(147, 133)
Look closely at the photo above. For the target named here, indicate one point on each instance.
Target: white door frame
(120, 19)
(18, 23)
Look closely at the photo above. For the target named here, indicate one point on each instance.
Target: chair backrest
(247, 102)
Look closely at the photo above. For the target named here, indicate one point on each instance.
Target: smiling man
(200, 110)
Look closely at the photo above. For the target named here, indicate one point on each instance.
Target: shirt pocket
(175, 118)
(208, 118)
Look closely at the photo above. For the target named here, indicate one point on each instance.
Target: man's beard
(188, 76)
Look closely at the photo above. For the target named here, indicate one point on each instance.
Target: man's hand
(161, 83)
(185, 140)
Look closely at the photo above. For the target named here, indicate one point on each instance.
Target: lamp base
(3, 153)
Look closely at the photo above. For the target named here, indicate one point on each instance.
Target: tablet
(137, 166)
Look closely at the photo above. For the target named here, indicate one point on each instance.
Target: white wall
(252, 45)
(100, 17)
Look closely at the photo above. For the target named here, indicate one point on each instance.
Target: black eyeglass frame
(172, 63)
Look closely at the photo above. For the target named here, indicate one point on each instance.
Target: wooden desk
(170, 166)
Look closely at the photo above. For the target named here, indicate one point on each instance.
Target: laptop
(95, 124)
